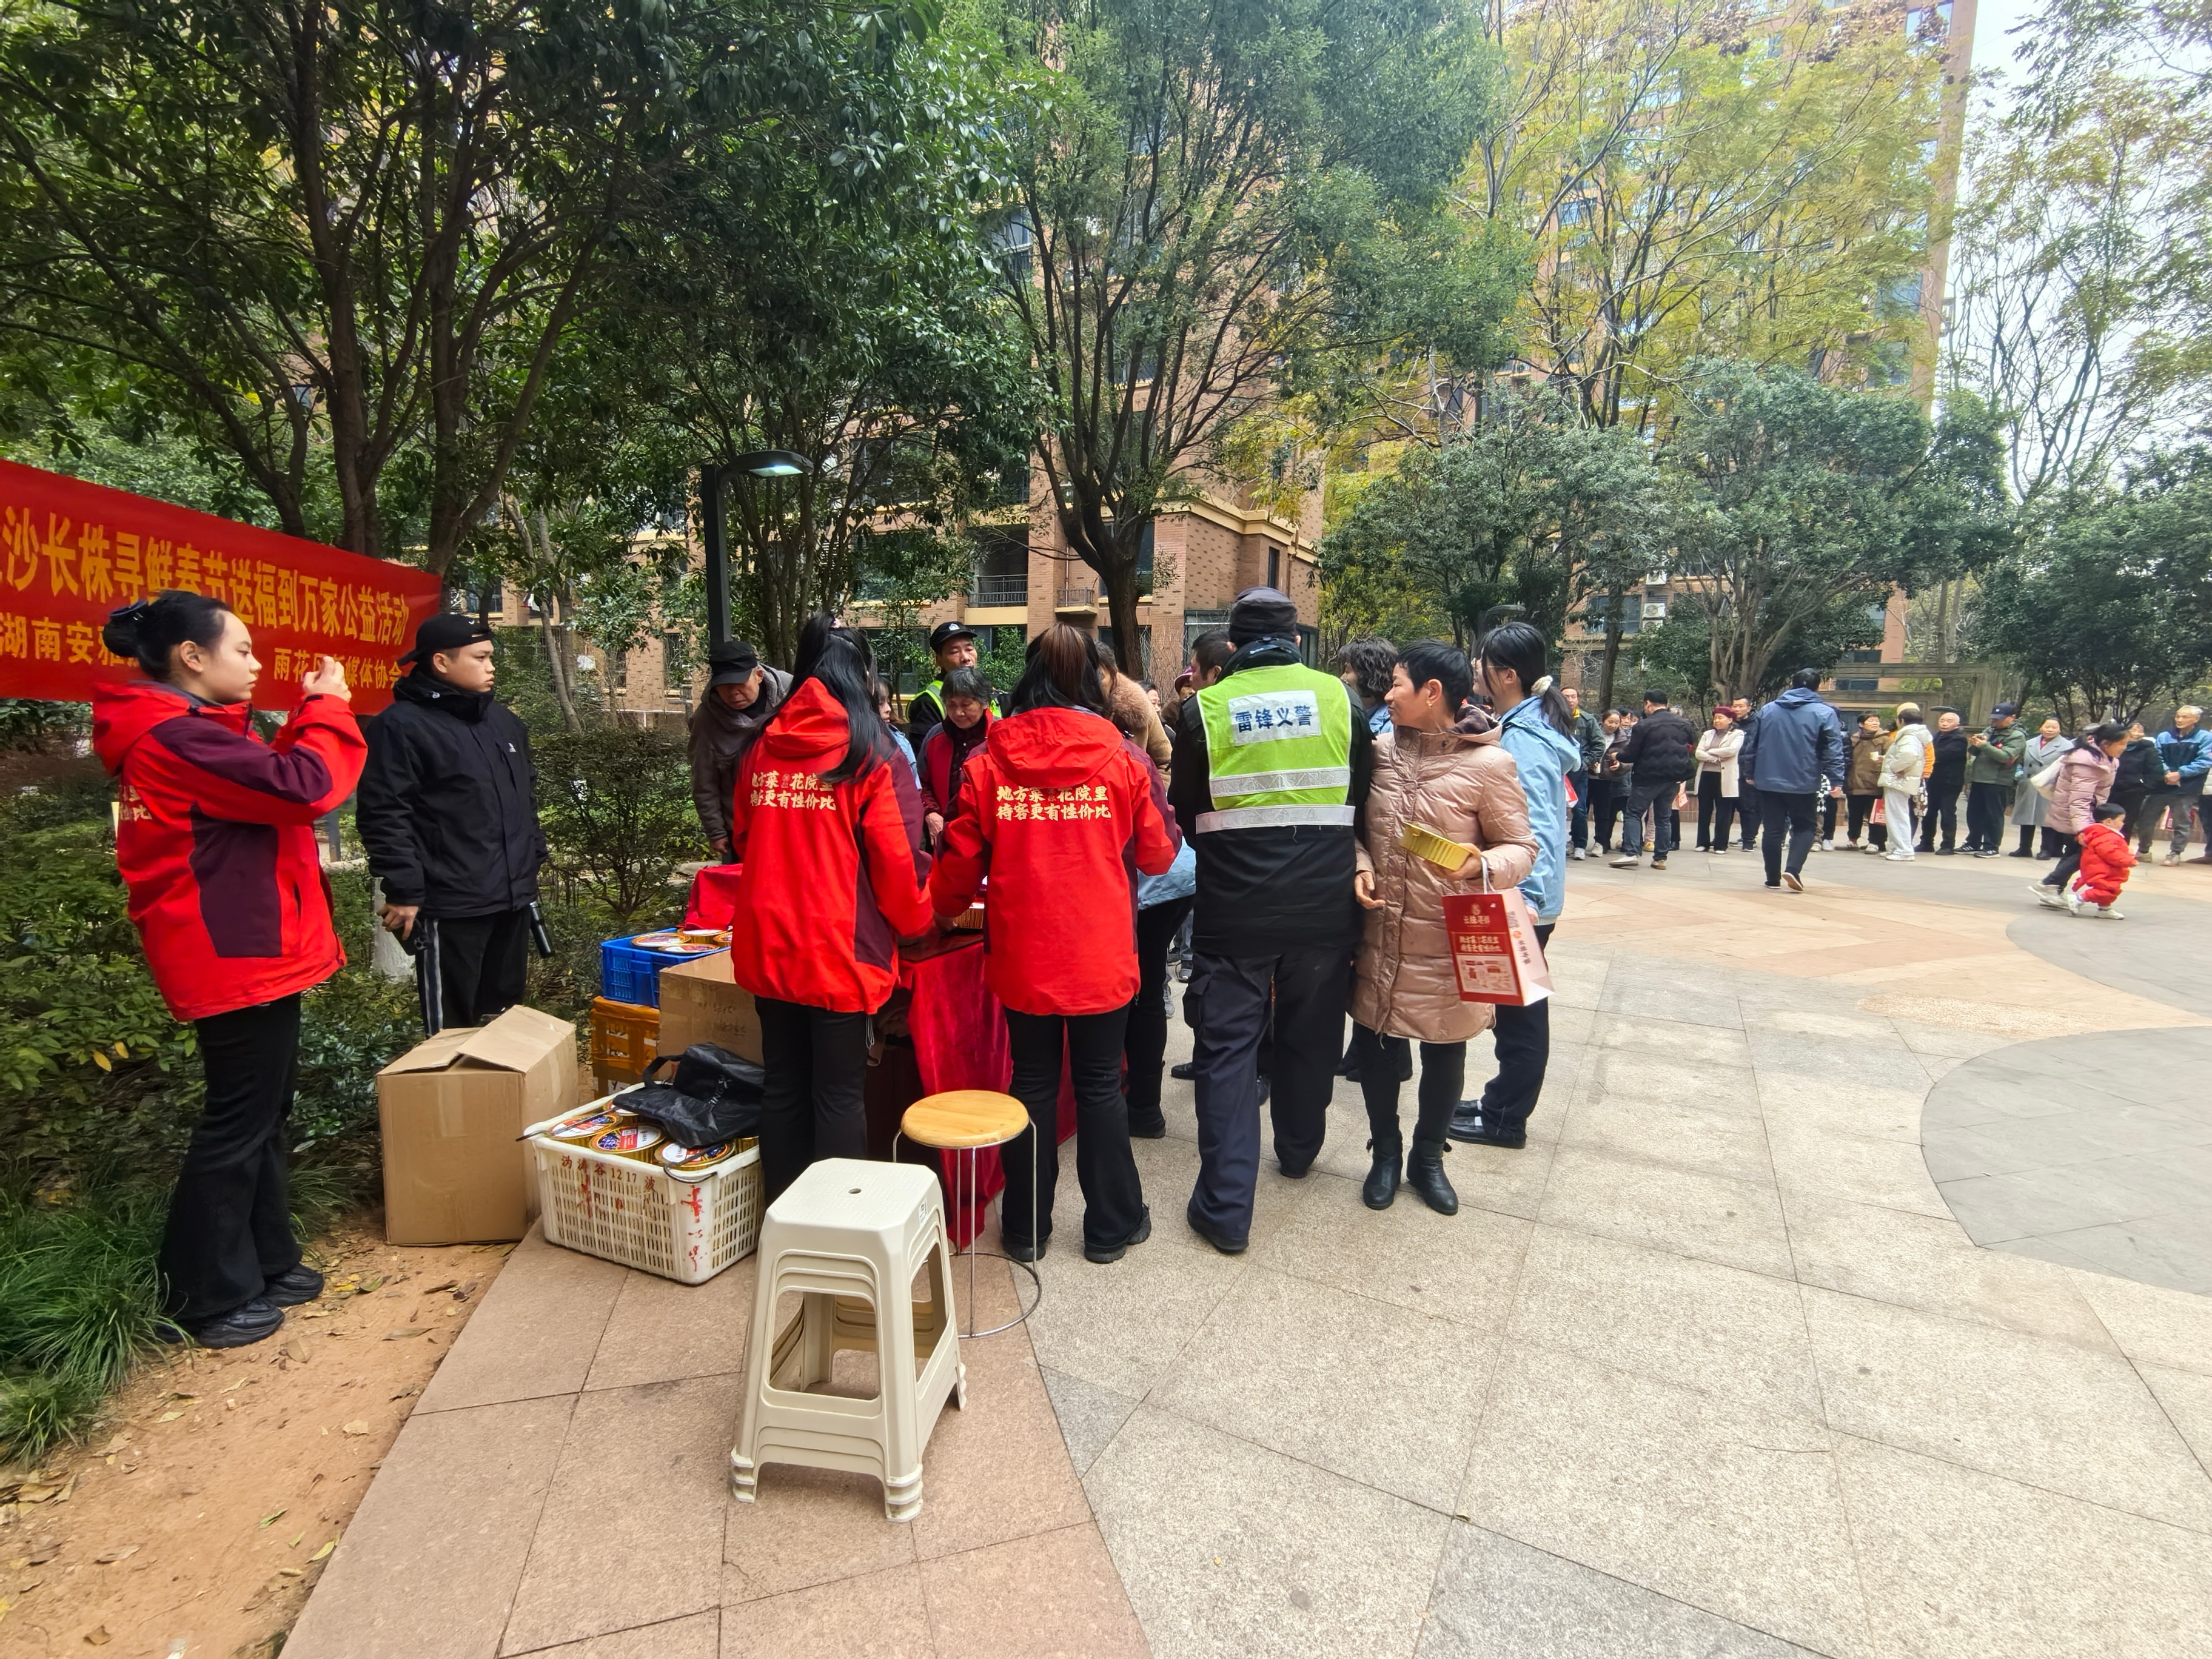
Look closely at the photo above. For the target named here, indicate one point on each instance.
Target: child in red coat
(2107, 858)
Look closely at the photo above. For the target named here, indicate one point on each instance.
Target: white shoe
(2074, 901)
(1577, 853)
(2047, 896)
(2171, 858)
(1876, 851)
(1628, 862)
(2111, 914)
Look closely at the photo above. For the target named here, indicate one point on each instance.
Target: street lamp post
(758, 463)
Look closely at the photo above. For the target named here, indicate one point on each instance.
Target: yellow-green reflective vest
(1278, 749)
(935, 692)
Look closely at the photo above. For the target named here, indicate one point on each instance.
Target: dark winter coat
(2141, 771)
(1661, 750)
(1286, 887)
(1590, 733)
(448, 808)
(1949, 776)
(719, 736)
(1791, 744)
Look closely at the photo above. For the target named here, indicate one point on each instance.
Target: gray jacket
(719, 736)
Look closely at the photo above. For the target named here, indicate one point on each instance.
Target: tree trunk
(1121, 585)
(1612, 649)
(557, 670)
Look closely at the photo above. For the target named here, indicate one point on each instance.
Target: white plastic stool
(851, 1236)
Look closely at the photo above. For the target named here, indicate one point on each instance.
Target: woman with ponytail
(215, 839)
(1537, 731)
(1063, 813)
(832, 880)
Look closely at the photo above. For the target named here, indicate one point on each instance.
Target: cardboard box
(701, 1001)
(451, 1109)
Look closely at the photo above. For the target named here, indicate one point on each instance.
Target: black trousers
(1443, 1074)
(1859, 808)
(2134, 800)
(1712, 806)
(1942, 812)
(2069, 860)
(1308, 987)
(1144, 1045)
(230, 1218)
(1606, 797)
(816, 1064)
(476, 966)
(1523, 1040)
(1112, 1198)
(1986, 806)
(1778, 810)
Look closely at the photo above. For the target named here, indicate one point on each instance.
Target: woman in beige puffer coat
(1444, 770)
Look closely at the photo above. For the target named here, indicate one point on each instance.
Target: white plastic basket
(638, 1214)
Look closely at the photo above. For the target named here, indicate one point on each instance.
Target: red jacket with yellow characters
(1061, 813)
(215, 836)
(832, 874)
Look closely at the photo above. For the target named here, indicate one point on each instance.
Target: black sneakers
(240, 1327)
(293, 1286)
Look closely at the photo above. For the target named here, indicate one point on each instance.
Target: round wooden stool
(967, 1120)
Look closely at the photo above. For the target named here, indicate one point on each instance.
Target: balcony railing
(999, 590)
(1078, 600)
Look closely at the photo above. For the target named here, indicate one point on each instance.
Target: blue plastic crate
(628, 974)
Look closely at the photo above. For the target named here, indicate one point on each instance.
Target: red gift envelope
(1494, 949)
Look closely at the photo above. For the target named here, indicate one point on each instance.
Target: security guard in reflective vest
(953, 644)
(1270, 771)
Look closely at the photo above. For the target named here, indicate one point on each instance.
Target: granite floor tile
(810, 1527)
(1272, 1363)
(2046, 1202)
(883, 1616)
(1624, 994)
(698, 1636)
(1959, 1562)
(1786, 1054)
(464, 1488)
(1070, 1601)
(1122, 1327)
(1323, 1565)
(1632, 1075)
(1919, 1261)
(1496, 1599)
(2050, 1413)
(1509, 1181)
(1725, 1143)
(1459, 1267)
(1739, 1335)
(1736, 1223)
(1869, 1114)
(1833, 1025)
(997, 1469)
(1731, 1509)
(1672, 1039)
(2151, 1323)
(1890, 1173)
(537, 1334)
(643, 1481)
(2185, 1397)
(1961, 1154)
(1089, 1416)
(2173, 1250)
(663, 1332)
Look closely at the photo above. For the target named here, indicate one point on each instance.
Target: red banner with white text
(71, 551)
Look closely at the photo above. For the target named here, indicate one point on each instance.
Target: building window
(1145, 562)
(1309, 646)
(1274, 567)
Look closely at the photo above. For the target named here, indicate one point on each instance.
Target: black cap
(2004, 711)
(1262, 613)
(449, 630)
(945, 633)
(731, 663)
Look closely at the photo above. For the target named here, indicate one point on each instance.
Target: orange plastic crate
(625, 1037)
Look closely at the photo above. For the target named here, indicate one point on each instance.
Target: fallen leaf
(98, 1635)
(299, 1351)
(442, 1284)
(68, 1486)
(296, 1543)
(121, 1553)
(323, 1551)
(359, 1425)
(406, 1393)
(40, 1554)
(394, 1336)
(465, 1292)
(169, 1417)
(115, 1445)
(368, 1284)
(266, 1520)
(292, 1572)
(35, 1494)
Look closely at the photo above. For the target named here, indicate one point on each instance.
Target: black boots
(1425, 1174)
(1382, 1185)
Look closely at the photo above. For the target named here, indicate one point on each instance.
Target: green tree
(2111, 609)
(1211, 202)
(1801, 504)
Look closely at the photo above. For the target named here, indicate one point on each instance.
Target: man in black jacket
(1945, 784)
(447, 812)
(1663, 750)
(1276, 920)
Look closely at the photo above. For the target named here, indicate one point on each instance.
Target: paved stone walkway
(1709, 1368)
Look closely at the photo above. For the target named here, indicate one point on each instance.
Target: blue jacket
(1178, 880)
(1792, 744)
(2190, 756)
(1544, 756)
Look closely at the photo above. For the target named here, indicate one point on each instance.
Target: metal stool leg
(974, 1248)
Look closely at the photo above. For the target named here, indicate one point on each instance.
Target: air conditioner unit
(1654, 578)
(1655, 611)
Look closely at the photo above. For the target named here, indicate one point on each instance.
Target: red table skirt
(714, 898)
(959, 1032)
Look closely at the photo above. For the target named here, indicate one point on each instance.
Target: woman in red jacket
(214, 837)
(1062, 813)
(832, 881)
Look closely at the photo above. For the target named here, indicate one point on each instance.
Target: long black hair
(813, 633)
(841, 668)
(150, 629)
(2098, 736)
(1519, 646)
(1062, 673)
(1446, 663)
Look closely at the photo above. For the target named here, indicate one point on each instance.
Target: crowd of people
(1258, 815)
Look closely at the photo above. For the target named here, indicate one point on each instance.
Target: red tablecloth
(959, 1032)
(713, 897)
